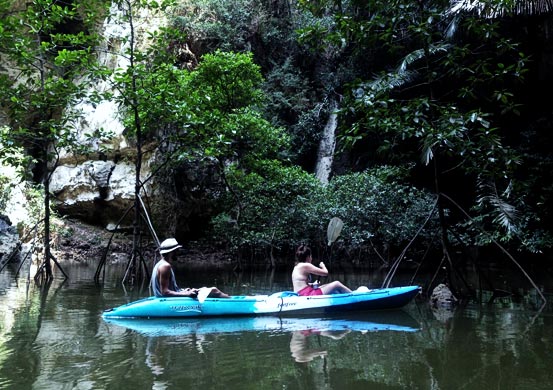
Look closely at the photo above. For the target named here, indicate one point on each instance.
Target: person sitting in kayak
(303, 268)
(164, 283)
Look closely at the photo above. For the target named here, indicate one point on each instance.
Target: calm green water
(56, 339)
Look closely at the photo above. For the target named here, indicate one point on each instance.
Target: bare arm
(312, 269)
(164, 282)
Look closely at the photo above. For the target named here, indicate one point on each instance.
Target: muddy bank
(83, 243)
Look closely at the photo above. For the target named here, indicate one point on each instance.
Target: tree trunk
(47, 254)
(443, 223)
(136, 256)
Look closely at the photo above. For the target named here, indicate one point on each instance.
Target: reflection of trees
(53, 340)
(20, 357)
(63, 340)
(487, 347)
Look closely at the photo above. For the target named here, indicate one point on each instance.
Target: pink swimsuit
(308, 290)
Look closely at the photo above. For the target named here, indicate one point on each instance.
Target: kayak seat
(282, 294)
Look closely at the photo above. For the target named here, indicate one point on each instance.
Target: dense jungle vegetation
(443, 117)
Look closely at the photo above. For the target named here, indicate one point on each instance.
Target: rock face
(100, 191)
(9, 241)
(95, 191)
(442, 297)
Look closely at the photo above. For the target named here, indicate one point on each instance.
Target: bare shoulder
(300, 267)
(164, 267)
(306, 268)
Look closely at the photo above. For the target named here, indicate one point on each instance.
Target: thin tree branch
(503, 250)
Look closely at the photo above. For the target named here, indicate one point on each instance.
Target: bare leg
(335, 287)
(216, 293)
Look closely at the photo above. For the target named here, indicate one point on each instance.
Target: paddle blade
(334, 229)
(203, 293)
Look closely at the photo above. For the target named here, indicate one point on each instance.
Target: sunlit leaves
(227, 81)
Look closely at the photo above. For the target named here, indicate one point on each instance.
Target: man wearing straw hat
(164, 283)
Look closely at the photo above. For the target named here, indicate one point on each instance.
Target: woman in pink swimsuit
(303, 268)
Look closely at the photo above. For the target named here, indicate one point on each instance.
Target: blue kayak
(281, 303)
(162, 327)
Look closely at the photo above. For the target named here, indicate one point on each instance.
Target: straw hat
(169, 245)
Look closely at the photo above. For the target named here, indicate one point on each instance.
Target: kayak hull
(282, 303)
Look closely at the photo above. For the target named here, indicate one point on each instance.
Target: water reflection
(60, 341)
(360, 322)
(156, 364)
(304, 333)
(302, 350)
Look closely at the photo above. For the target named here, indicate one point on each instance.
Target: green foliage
(5, 192)
(49, 70)
(209, 112)
(226, 81)
(290, 96)
(501, 8)
(267, 29)
(270, 213)
(375, 204)
(448, 102)
(224, 95)
(11, 154)
(228, 126)
(284, 206)
(149, 95)
(433, 85)
(34, 204)
(159, 100)
(48, 76)
(216, 24)
(289, 103)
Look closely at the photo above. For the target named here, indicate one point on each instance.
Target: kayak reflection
(360, 322)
